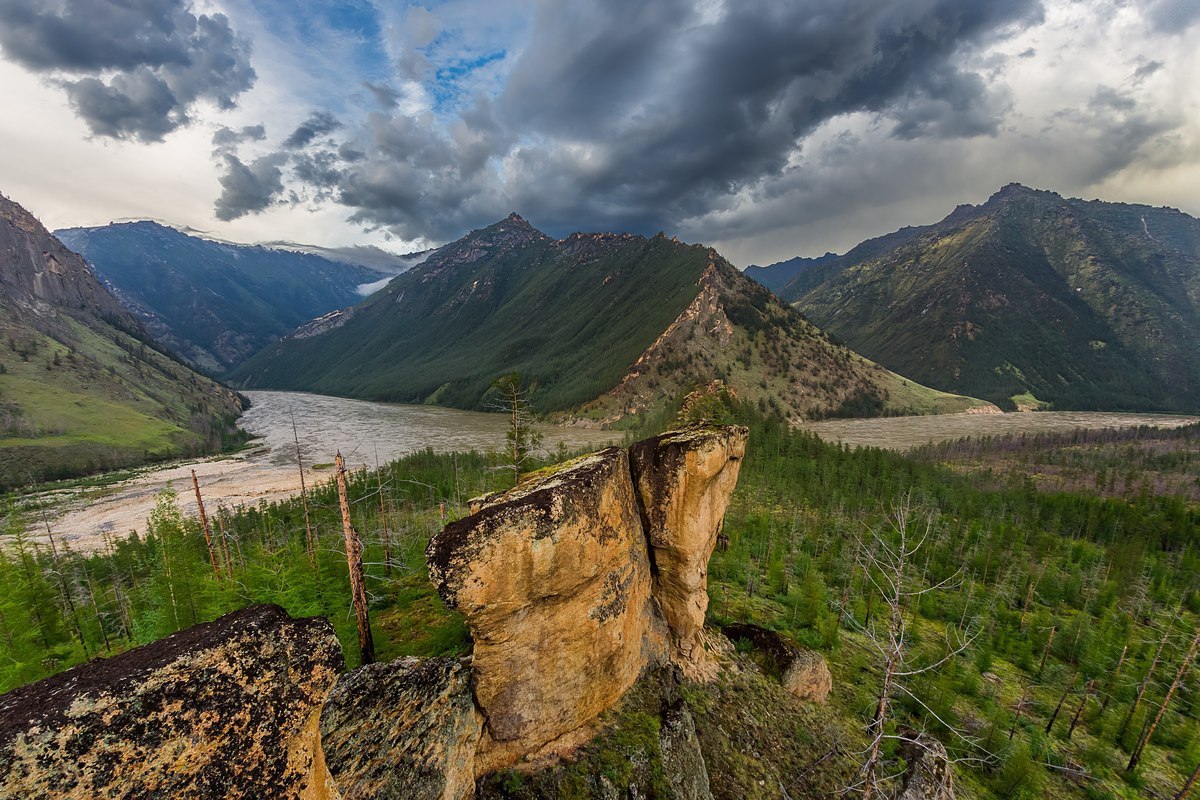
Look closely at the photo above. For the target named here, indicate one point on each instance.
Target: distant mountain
(776, 276)
(216, 303)
(1028, 299)
(82, 386)
(604, 325)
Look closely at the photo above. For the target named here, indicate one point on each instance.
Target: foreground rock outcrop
(802, 672)
(554, 580)
(405, 730)
(576, 581)
(929, 776)
(221, 710)
(684, 481)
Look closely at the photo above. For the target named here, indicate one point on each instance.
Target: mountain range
(216, 303)
(602, 326)
(1027, 300)
(83, 386)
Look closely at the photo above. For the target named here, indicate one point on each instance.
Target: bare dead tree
(1112, 682)
(387, 534)
(354, 552)
(1162, 709)
(310, 544)
(208, 542)
(1145, 684)
(889, 570)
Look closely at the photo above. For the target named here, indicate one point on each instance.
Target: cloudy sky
(767, 128)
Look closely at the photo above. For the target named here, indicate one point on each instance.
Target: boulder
(553, 578)
(221, 710)
(929, 776)
(404, 730)
(684, 481)
(802, 672)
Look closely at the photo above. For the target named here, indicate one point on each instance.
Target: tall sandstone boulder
(684, 480)
(576, 581)
(227, 709)
(554, 580)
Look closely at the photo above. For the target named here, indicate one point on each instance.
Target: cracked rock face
(684, 481)
(220, 710)
(554, 580)
(405, 730)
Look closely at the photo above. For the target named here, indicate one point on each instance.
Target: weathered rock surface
(554, 580)
(220, 710)
(684, 481)
(929, 776)
(652, 733)
(802, 672)
(405, 730)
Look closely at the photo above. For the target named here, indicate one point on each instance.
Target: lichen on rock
(404, 730)
(218, 710)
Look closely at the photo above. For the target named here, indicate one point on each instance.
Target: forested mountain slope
(214, 303)
(1029, 298)
(615, 323)
(82, 386)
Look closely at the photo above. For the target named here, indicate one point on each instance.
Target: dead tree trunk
(387, 534)
(1112, 682)
(358, 589)
(310, 544)
(1183, 668)
(1145, 684)
(1046, 650)
(66, 592)
(208, 542)
(1087, 693)
(1187, 787)
(1061, 700)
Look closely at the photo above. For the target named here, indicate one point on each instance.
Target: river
(266, 471)
(364, 430)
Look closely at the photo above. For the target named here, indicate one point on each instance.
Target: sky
(768, 129)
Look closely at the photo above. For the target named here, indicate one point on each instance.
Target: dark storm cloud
(637, 115)
(247, 188)
(226, 140)
(139, 65)
(318, 123)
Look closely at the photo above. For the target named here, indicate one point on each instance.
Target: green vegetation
(82, 387)
(503, 299)
(1064, 597)
(1082, 305)
(214, 303)
(599, 325)
(86, 399)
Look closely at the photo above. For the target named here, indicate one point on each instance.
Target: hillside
(81, 385)
(1028, 299)
(216, 303)
(617, 324)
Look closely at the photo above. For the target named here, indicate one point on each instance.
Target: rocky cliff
(222, 710)
(576, 581)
